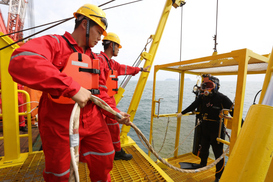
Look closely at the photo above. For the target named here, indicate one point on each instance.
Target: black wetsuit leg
(205, 143)
(218, 150)
(209, 133)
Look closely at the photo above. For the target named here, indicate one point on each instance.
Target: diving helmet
(209, 85)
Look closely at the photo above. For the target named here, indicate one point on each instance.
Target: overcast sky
(241, 24)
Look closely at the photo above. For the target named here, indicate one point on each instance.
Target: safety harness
(83, 70)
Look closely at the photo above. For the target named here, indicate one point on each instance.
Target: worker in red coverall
(108, 82)
(38, 64)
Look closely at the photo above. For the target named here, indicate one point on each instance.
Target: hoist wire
(51, 22)
(105, 3)
(37, 33)
(61, 21)
(135, 64)
(181, 26)
(35, 27)
(30, 13)
(215, 36)
(122, 4)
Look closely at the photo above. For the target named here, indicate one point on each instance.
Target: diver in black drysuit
(209, 107)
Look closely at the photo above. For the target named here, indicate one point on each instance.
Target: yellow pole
(269, 176)
(178, 125)
(267, 76)
(119, 95)
(10, 104)
(242, 56)
(252, 152)
(267, 84)
(152, 109)
(10, 113)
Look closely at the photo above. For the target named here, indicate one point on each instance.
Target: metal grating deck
(30, 170)
(138, 169)
(206, 176)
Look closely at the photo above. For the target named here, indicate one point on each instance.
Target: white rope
(74, 143)
(99, 102)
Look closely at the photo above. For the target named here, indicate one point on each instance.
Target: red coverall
(121, 69)
(36, 64)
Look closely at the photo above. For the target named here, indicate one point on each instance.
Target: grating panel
(136, 169)
(206, 176)
(30, 170)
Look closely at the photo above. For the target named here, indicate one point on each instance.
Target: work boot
(23, 129)
(217, 180)
(122, 155)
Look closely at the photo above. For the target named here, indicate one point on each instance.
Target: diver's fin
(188, 165)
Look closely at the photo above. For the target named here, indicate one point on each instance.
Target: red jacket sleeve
(37, 65)
(124, 69)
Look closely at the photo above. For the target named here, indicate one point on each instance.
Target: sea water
(164, 128)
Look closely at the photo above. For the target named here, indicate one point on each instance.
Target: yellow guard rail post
(9, 108)
(149, 57)
(269, 176)
(252, 153)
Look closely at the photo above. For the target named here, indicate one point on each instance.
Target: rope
(74, 143)
(185, 138)
(31, 109)
(99, 102)
(171, 166)
(165, 135)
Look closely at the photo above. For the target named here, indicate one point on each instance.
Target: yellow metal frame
(216, 65)
(149, 57)
(254, 151)
(10, 114)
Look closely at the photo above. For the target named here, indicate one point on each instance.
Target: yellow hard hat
(94, 13)
(112, 37)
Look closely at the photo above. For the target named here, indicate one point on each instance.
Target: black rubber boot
(23, 129)
(121, 155)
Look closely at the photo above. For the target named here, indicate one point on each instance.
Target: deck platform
(140, 168)
(36, 141)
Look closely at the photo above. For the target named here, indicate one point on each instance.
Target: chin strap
(87, 33)
(113, 43)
